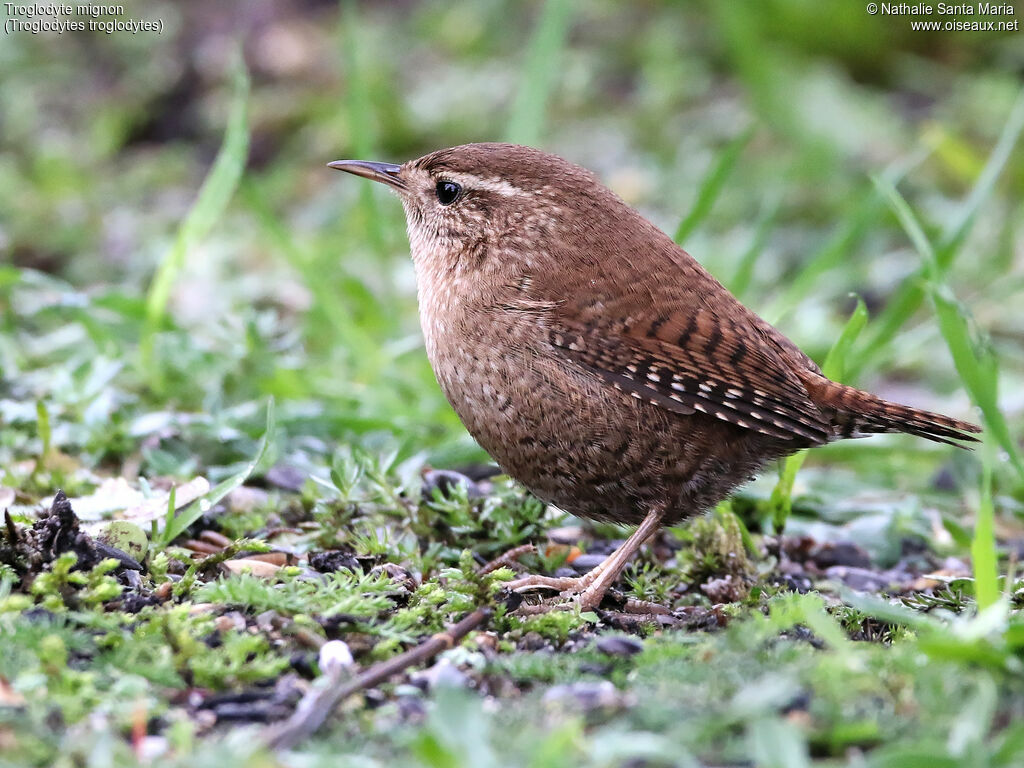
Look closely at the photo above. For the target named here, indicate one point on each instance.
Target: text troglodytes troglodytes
(595, 360)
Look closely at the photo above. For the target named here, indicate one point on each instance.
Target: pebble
(335, 560)
(620, 645)
(277, 558)
(255, 567)
(229, 621)
(444, 480)
(268, 620)
(149, 748)
(335, 656)
(728, 589)
(586, 562)
(861, 579)
(570, 534)
(443, 674)
(585, 696)
(845, 553)
(412, 709)
(246, 499)
(533, 641)
(396, 573)
(286, 477)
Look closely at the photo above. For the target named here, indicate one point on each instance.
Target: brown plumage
(594, 359)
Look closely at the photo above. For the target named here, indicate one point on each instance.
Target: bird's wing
(692, 360)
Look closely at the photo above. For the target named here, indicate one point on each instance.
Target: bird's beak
(386, 173)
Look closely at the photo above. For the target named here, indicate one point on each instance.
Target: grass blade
(974, 358)
(341, 327)
(960, 225)
(181, 521)
(983, 547)
(781, 501)
(851, 233)
(976, 362)
(835, 361)
(358, 120)
(526, 123)
(911, 293)
(740, 282)
(711, 185)
(216, 191)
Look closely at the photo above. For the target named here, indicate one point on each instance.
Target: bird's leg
(589, 589)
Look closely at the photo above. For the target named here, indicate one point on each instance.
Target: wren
(594, 359)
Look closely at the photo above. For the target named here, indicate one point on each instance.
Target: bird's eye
(448, 192)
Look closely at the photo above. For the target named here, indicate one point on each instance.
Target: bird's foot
(568, 599)
(573, 591)
(588, 590)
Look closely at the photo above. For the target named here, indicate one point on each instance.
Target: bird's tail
(857, 413)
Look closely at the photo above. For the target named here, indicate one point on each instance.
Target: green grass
(186, 291)
(210, 203)
(711, 186)
(543, 58)
(835, 368)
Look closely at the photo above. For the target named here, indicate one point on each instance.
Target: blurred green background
(764, 134)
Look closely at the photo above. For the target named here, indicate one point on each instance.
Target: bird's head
(475, 203)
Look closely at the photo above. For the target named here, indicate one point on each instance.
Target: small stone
(533, 641)
(443, 674)
(335, 656)
(132, 579)
(725, 590)
(151, 747)
(277, 558)
(570, 534)
(286, 477)
(335, 560)
(396, 573)
(163, 591)
(620, 645)
(238, 620)
(487, 641)
(255, 567)
(444, 481)
(860, 579)
(588, 697)
(587, 562)
(840, 553)
(246, 499)
(412, 709)
(268, 620)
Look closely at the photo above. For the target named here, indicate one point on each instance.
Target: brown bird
(594, 359)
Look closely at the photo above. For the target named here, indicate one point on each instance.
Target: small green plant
(62, 587)
(341, 592)
(240, 658)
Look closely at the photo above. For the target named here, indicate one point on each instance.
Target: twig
(317, 705)
(643, 607)
(12, 529)
(508, 558)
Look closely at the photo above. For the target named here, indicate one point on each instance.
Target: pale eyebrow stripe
(495, 185)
